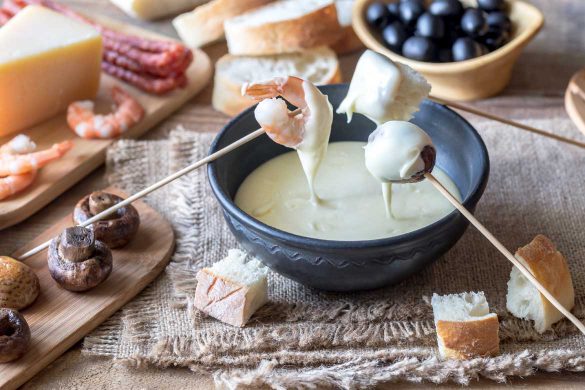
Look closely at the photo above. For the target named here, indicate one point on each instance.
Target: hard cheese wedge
(47, 61)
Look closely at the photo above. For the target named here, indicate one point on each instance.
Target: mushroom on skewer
(115, 231)
(14, 335)
(77, 261)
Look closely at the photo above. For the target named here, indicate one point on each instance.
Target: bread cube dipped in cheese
(47, 61)
(232, 289)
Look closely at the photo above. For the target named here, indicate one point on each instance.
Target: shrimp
(18, 164)
(86, 124)
(13, 184)
(306, 131)
(282, 126)
(21, 144)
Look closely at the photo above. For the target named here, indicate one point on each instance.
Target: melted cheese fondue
(351, 206)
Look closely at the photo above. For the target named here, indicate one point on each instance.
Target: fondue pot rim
(230, 207)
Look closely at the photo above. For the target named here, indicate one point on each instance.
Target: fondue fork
(507, 122)
(499, 246)
(140, 194)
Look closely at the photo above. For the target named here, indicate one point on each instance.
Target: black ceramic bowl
(351, 265)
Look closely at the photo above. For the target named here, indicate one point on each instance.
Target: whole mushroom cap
(115, 231)
(77, 261)
(14, 335)
(19, 285)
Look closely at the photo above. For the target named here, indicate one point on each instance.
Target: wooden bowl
(466, 80)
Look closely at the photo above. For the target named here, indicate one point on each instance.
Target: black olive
(495, 39)
(445, 55)
(430, 26)
(419, 48)
(410, 11)
(446, 8)
(491, 5)
(465, 49)
(473, 22)
(394, 10)
(394, 36)
(377, 15)
(499, 21)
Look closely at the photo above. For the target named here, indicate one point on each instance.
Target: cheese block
(47, 61)
(154, 9)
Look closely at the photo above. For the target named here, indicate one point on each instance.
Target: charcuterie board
(87, 155)
(59, 318)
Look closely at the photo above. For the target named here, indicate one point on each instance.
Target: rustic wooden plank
(59, 318)
(86, 155)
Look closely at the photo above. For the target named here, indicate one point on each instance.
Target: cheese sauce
(351, 207)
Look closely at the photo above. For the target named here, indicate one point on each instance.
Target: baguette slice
(348, 41)
(232, 289)
(550, 268)
(205, 24)
(319, 66)
(154, 9)
(465, 327)
(286, 26)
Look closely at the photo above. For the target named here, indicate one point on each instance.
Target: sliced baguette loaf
(550, 268)
(348, 40)
(232, 289)
(205, 24)
(319, 66)
(154, 9)
(285, 26)
(465, 327)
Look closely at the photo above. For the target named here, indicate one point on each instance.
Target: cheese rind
(47, 61)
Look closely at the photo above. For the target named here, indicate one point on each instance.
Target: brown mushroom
(115, 231)
(19, 285)
(14, 335)
(77, 261)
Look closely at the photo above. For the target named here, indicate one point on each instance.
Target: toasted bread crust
(550, 268)
(227, 94)
(221, 298)
(318, 28)
(206, 21)
(348, 42)
(468, 339)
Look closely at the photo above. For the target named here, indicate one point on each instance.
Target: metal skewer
(499, 246)
(507, 121)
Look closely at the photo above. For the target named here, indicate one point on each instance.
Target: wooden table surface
(536, 91)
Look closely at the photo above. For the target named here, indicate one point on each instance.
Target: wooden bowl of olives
(465, 48)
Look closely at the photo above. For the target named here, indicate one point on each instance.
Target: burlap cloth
(305, 337)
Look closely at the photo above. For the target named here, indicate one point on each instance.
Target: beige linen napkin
(304, 336)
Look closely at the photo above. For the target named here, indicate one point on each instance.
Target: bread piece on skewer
(465, 327)
(319, 66)
(285, 26)
(550, 268)
(232, 289)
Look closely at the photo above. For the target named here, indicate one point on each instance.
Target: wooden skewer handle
(504, 251)
(155, 187)
(508, 122)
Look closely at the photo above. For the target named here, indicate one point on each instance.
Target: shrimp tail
(14, 184)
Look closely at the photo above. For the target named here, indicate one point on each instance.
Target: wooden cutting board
(59, 318)
(87, 155)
